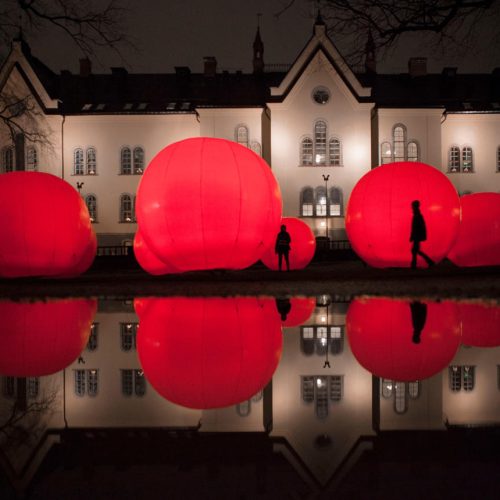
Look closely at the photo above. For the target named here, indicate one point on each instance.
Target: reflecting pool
(249, 397)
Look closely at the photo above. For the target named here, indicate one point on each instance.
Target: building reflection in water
(319, 418)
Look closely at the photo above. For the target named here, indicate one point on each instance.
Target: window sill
(322, 166)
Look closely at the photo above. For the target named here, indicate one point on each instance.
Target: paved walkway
(339, 279)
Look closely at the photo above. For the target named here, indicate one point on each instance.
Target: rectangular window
(307, 389)
(455, 375)
(468, 377)
(307, 209)
(335, 210)
(335, 387)
(128, 333)
(307, 332)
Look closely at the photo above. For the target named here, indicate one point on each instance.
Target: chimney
(417, 66)
(85, 66)
(210, 69)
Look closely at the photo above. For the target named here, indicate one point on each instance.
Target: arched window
(138, 160)
(125, 161)
(306, 151)
(31, 159)
(498, 159)
(454, 159)
(400, 398)
(467, 161)
(91, 161)
(78, 161)
(385, 153)
(386, 388)
(414, 389)
(399, 141)
(126, 208)
(336, 202)
(321, 205)
(93, 341)
(242, 135)
(244, 408)
(320, 143)
(8, 159)
(91, 202)
(307, 202)
(256, 148)
(335, 152)
(413, 151)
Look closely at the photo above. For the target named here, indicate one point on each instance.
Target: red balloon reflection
(41, 338)
(480, 324)
(208, 352)
(295, 311)
(403, 340)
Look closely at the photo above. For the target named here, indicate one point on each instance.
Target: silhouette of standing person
(418, 318)
(418, 234)
(282, 247)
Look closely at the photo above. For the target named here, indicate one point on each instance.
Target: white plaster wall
(228, 420)
(108, 134)
(482, 404)
(294, 118)
(110, 408)
(482, 133)
(422, 126)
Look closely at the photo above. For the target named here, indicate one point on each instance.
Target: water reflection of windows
(244, 408)
(133, 382)
(322, 390)
(93, 337)
(86, 382)
(400, 392)
(128, 334)
(318, 338)
(462, 377)
(10, 387)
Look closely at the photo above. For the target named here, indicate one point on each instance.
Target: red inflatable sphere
(148, 260)
(208, 352)
(478, 242)
(41, 338)
(403, 340)
(34, 242)
(296, 310)
(302, 247)
(86, 260)
(380, 214)
(480, 324)
(207, 203)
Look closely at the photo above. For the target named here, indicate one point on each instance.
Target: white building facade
(319, 125)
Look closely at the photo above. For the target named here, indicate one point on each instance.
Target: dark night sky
(181, 32)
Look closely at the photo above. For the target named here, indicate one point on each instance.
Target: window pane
(32, 387)
(320, 143)
(78, 161)
(412, 151)
(321, 396)
(386, 388)
(498, 159)
(306, 153)
(307, 332)
(127, 382)
(400, 401)
(399, 143)
(125, 208)
(467, 165)
(414, 389)
(308, 389)
(335, 153)
(93, 338)
(91, 161)
(126, 161)
(80, 382)
(385, 153)
(242, 135)
(454, 159)
(468, 373)
(128, 332)
(92, 382)
(455, 375)
(140, 383)
(31, 159)
(335, 387)
(91, 202)
(138, 160)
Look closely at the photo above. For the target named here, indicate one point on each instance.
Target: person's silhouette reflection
(282, 247)
(284, 306)
(418, 234)
(418, 318)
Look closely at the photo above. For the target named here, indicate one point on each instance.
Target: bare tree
(89, 24)
(387, 21)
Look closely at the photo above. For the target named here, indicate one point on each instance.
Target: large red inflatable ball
(38, 242)
(480, 324)
(206, 203)
(398, 202)
(403, 340)
(86, 261)
(148, 260)
(478, 242)
(208, 352)
(302, 246)
(42, 338)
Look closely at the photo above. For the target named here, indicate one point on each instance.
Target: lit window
(320, 143)
(336, 207)
(385, 153)
(455, 376)
(413, 151)
(78, 161)
(386, 388)
(307, 202)
(126, 214)
(91, 161)
(138, 160)
(467, 163)
(125, 161)
(128, 334)
(242, 135)
(306, 151)
(31, 159)
(335, 153)
(454, 159)
(399, 140)
(86, 382)
(400, 399)
(91, 202)
(133, 382)
(468, 378)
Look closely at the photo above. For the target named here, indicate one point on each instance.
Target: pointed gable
(321, 46)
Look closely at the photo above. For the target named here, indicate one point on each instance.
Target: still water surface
(249, 397)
